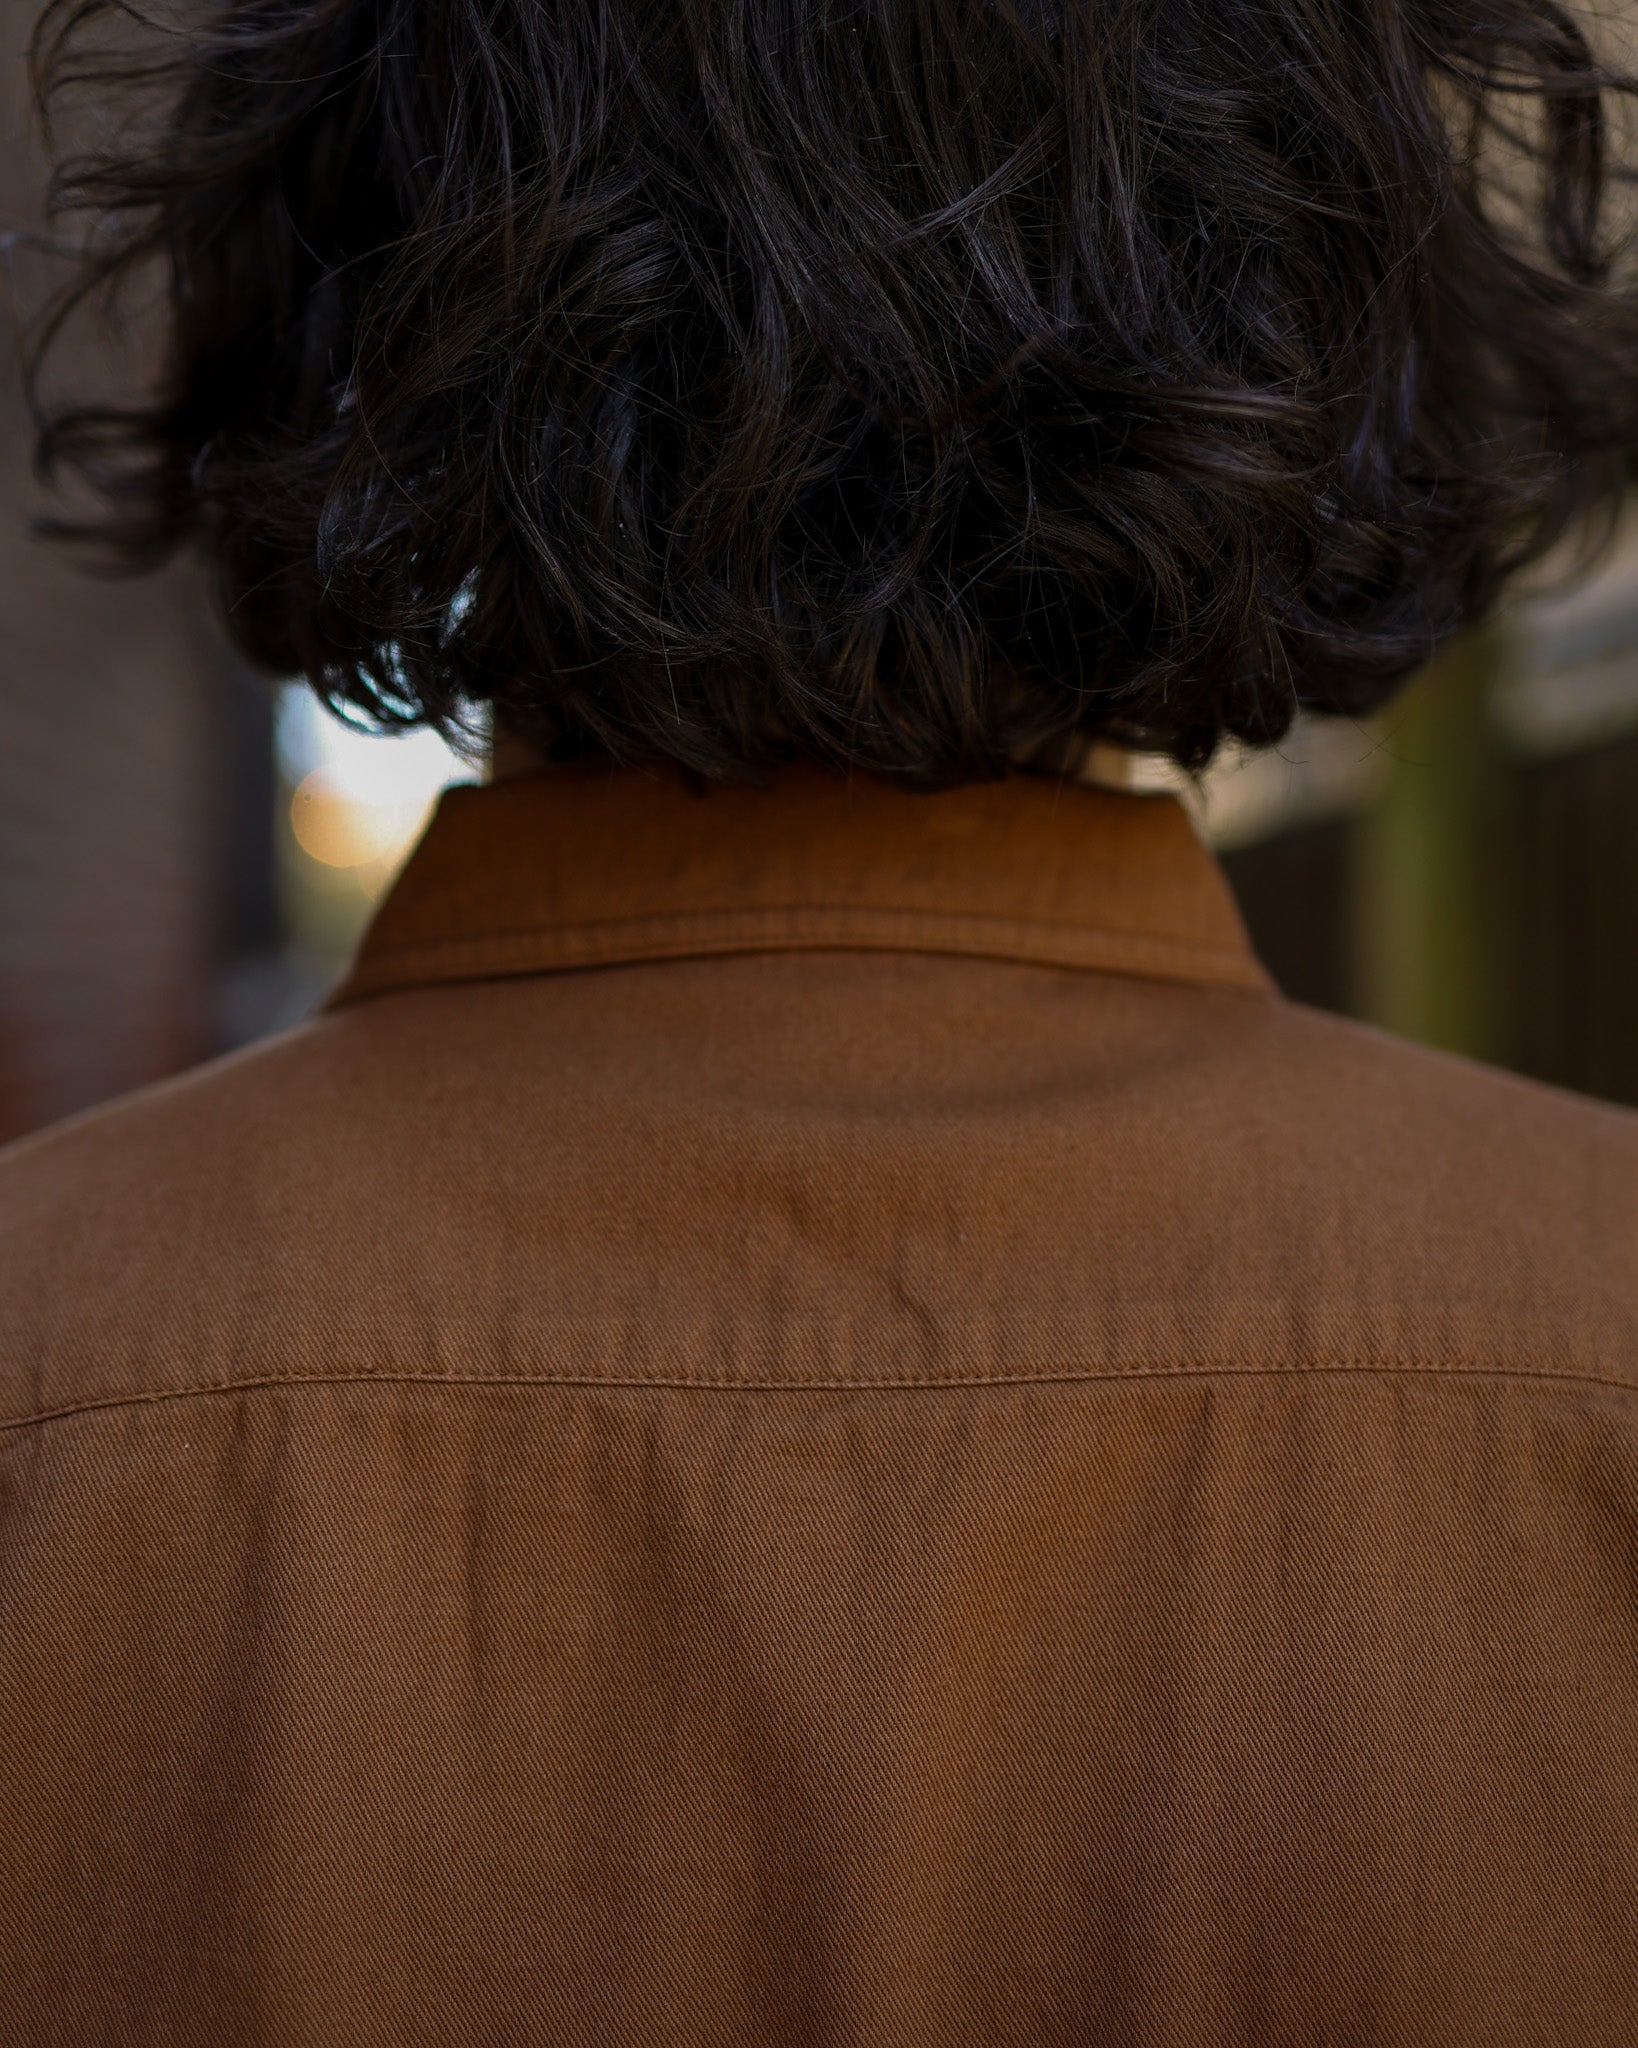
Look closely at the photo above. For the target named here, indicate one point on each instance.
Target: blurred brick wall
(109, 813)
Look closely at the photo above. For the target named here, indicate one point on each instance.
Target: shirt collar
(595, 866)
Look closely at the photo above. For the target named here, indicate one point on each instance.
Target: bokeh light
(359, 799)
(354, 802)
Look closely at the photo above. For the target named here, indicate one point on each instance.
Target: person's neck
(509, 756)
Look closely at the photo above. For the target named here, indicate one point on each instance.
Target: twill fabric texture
(812, 1415)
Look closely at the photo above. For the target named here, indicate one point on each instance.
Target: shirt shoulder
(1466, 1211)
(165, 1240)
(546, 1179)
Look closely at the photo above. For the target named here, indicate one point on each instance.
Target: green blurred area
(1464, 871)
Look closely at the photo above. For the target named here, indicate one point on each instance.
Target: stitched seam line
(738, 913)
(425, 969)
(1079, 1376)
(609, 941)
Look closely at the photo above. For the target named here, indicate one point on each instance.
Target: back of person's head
(916, 385)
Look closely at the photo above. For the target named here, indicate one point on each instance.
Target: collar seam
(649, 938)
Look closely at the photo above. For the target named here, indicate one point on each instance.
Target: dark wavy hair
(911, 384)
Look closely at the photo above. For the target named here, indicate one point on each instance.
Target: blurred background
(188, 852)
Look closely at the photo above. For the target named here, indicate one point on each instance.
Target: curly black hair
(907, 384)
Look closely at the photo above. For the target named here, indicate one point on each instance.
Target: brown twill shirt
(813, 1417)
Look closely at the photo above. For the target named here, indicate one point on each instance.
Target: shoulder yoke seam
(923, 1383)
